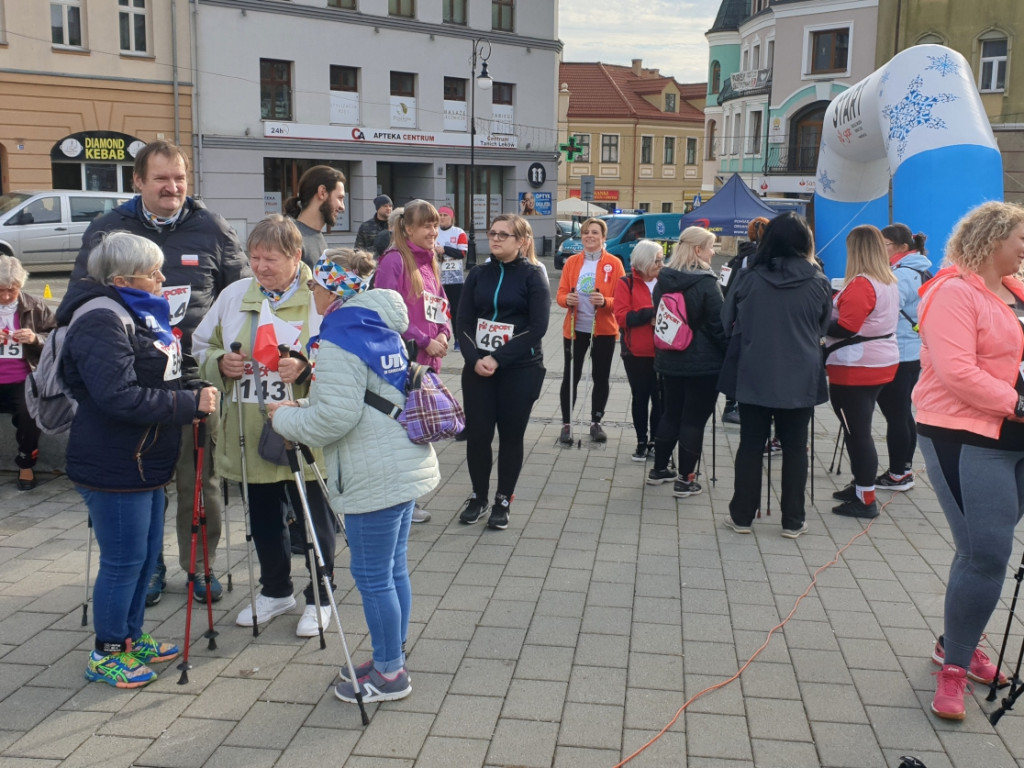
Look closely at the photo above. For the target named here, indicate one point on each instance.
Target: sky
(667, 34)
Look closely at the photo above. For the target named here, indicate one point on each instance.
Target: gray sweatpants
(981, 491)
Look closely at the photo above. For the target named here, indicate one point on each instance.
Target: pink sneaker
(982, 669)
(951, 681)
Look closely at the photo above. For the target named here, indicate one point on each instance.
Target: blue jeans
(129, 529)
(377, 543)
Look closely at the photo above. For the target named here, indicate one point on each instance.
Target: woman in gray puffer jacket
(374, 472)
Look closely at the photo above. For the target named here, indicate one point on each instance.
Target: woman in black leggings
(503, 315)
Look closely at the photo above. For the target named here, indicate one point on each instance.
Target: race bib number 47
(491, 335)
(435, 308)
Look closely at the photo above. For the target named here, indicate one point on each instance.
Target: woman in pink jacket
(970, 409)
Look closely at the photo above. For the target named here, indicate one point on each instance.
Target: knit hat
(380, 201)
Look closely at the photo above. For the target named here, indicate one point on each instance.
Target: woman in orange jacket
(587, 290)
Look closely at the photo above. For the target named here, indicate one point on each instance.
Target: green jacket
(231, 319)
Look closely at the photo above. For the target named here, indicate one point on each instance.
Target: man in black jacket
(202, 256)
(369, 229)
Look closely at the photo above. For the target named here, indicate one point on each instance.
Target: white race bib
(172, 370)
(666, 324)
(12, 350)
(435, 308)
(724, 275)
(270, 382)
(178, 297)
(491, 335)
(451, 271)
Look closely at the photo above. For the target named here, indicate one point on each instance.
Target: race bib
(178, 297)
(491, 335)
(12, 350)
(451, 272)
(435, 308)
(270, 383)
(172, 370)
(724, 275)
(666, 324)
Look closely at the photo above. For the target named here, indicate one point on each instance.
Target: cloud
(666, 34)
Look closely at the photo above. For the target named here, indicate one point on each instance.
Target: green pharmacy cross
(572, 150)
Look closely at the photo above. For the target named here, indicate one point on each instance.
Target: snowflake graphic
(912, 111)
(826, 183)
(883, 80)
(944, 65)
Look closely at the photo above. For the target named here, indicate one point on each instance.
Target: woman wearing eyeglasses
(503, 315)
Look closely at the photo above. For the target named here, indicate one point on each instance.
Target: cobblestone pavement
(570, 639)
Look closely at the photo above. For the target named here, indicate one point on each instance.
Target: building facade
(85, 84)
(639, 133)
(774, 67)
(984, 32)
(384, 90)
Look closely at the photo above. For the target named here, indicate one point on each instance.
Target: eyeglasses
(499, 236)
(151, 276)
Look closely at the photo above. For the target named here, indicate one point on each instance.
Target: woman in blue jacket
(122, 364)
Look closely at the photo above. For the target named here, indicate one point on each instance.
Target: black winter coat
(127, 429)
(219, 260)
(703, 299)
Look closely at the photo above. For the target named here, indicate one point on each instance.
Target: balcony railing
(799, 160)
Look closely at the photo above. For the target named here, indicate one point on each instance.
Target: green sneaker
(149, 651)
(121, 670)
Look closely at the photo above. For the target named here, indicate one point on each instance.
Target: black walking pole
(88, 563)
(236, 347)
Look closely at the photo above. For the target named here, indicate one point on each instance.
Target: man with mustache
(319, 202)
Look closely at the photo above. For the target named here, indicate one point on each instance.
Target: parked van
(625, 230)
(44, 229)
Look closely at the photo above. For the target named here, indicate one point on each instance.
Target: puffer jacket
(703, 298)
(908, 269)
(371, 463)
(230, 320)
(127, 430)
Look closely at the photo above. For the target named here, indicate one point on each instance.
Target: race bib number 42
(491, 335)
(435, 308)
(270, 384)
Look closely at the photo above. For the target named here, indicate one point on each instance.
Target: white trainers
(266, 609)
(307, 624)
(420, 515)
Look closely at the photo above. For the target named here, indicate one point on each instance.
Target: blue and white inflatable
(919, 120)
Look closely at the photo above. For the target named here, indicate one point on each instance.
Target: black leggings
(505, 401)
(687, 402)
(643, 385)
(854, 405)
(26, 432)
(600, 370)
(901, 431)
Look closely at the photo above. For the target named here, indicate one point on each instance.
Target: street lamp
(485, 82)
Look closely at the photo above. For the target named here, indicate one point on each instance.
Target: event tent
(728, 213)
(573, 206)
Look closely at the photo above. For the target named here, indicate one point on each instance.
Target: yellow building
(85, 84)
(640, 132)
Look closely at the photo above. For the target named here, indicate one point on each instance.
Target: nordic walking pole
(835, 450)
(572, 369)
(714, 450)
(235, 347)
(307, 456)
(226, 523)
(88, 564)
(1018, 577)
(811, 462)
(200, 437)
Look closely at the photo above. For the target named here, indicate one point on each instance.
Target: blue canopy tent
(728, 213)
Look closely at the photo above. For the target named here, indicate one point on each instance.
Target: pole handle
(236, 347)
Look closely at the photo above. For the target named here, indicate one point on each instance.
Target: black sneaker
(640, 454)
(566, 436)
(889, 482)
(857, 508)
(731, 416)
(157, 583)
(683, 488)
(597, 434)
(659, 476)
(650, 451)
(499, 513)
(472, 511)
(848, 493)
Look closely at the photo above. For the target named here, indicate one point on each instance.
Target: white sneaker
(266, 609)
(307, 624)
(420, 515)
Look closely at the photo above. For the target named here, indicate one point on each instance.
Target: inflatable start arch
(919, 120)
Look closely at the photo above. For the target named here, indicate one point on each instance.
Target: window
(666, 207)
(670, 102)
(670, 150)
(454, 89)
(66, 22)
(769, 59)
(746, 60)
(754, 133)
(646, 150)
(503, 93)
(348, 5)
(502, 107)
(503, 15)
(755, 57)
(716, 77)
(406, 8)
(45, 210)
(85, 209)
(453, 11)
(583, 142)
(403, 84)
(829, 49)
(645, 207)
(403, 100)
(930, 39)
(712, 140)
(344, 95)
(3, 41)
(132, 23)
(691, 151)
(609, 148)
(736, 134)
(275, 89)
(993, 65)
(455, 111)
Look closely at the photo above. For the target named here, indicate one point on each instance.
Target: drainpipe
(174, 69)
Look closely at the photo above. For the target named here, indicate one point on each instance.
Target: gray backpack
(48, 400)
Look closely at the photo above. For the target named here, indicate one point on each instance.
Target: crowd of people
(163, 318)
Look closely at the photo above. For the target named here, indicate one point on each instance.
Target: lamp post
(484, 81)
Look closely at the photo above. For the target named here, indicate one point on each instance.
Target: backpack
(48, 400)
(671, 328)
(925, 275)
(431, 412)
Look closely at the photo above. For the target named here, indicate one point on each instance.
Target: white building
(382, 90)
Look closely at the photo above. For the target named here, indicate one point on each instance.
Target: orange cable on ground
(764, 645)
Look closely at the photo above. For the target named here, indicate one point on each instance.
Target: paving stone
(242, 757)
(523, 743)
(107, 751)
(59, 735)
(717, 736)
(591, 725)
(188, 742)
(847, 745)
(320, 746)
(462, 715)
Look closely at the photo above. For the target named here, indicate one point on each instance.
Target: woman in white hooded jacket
(374, 472)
